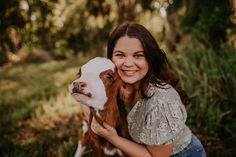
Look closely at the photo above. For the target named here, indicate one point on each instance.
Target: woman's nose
(128, 62)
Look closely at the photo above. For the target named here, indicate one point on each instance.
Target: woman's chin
(130, 80)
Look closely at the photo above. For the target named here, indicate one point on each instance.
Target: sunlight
(163, 12)
(24, 5)
(7, 85)
(55, 111)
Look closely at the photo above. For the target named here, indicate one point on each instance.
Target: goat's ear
(79, 73)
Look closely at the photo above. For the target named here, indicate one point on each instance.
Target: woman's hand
(106, 132)
(129, 147)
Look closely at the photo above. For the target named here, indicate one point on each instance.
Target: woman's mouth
(129, 72)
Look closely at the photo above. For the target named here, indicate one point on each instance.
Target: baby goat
(100, 87)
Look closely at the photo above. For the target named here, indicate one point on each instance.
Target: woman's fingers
(106, 131)
(94, 125)
(97, 128)
(108, 127)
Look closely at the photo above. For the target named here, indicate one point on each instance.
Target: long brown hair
(160, 71)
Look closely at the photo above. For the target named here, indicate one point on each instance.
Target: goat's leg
(83, 140)
(113, 152)
(80, 149)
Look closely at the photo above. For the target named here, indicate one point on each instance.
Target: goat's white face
(89, 88)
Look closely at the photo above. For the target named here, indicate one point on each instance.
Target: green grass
(209, 77)
(38, 116)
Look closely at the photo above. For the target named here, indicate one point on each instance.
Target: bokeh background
(44, 42)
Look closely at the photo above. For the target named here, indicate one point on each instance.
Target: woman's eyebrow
(119, 51)
(141, 51)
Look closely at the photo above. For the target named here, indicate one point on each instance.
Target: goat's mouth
(76, 92)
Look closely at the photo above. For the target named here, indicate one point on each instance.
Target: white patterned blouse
(160, 119)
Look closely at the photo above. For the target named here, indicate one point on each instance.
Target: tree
(208, 20)
(11, 21)
(126, 10)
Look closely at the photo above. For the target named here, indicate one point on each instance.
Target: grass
(38, 117)
(208, 76)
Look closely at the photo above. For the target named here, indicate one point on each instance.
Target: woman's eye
(119, 55)
(139, 56)
(110, 77)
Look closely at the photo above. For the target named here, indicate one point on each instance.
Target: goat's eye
(110, 77)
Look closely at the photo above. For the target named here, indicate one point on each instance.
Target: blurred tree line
(66, 27)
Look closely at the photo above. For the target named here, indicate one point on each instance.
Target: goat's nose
(79, 85)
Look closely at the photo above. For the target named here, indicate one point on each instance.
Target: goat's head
(96, 79)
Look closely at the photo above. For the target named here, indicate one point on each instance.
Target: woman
(156, 122)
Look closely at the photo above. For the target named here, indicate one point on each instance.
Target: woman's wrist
(113, 138)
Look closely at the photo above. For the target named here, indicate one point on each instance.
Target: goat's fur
(100, 87)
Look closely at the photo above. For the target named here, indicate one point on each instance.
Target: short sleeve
(163, 121)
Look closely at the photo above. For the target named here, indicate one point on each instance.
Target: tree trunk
(3, 53)
(126, 10)
(172, 28)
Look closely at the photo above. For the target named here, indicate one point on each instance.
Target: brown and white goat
(100, 87)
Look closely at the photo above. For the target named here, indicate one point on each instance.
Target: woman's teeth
(129, 72)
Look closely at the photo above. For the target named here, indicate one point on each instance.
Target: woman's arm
(160, 151)
(131, 148)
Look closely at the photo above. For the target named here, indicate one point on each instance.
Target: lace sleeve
(163, 122)
(157, 120)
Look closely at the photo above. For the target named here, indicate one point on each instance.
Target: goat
(100, 88)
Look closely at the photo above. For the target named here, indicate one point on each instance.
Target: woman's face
(129, 58)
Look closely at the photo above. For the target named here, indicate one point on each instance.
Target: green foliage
(62, 28)
(98, 7)
(208, 20)
(86, 27)
(209, 78)
(11, 21)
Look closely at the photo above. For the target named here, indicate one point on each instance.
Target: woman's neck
(136, 86)
(137, 94)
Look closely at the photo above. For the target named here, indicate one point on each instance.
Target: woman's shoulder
(161, 116)
(159, 96)
(163, 92)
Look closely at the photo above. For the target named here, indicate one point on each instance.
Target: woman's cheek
(118, 63)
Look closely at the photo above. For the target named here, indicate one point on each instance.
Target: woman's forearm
(129, 147)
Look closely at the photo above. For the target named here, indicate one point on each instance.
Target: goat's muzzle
(78, 88)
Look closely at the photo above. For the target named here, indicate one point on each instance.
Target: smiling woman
(156, 121)
(130, 60)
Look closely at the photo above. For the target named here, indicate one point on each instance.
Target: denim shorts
(194, 149)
